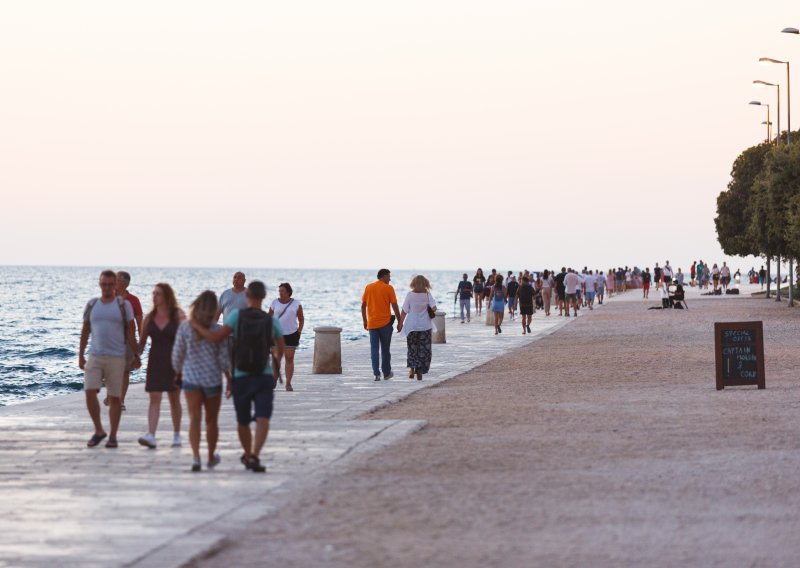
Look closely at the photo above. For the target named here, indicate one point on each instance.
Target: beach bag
(252, 341)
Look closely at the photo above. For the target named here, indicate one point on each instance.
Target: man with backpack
(254, 332)
(110, 322)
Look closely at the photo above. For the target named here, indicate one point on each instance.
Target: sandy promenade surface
(604, 444)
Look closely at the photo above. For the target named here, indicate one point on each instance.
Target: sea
(41, 310)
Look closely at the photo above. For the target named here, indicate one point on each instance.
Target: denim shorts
(253, 391)
(208, 392)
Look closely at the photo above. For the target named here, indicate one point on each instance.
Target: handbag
(431, 311)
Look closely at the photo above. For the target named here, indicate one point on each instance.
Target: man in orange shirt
(378, 297)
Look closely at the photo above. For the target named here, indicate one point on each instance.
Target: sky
(360, 134)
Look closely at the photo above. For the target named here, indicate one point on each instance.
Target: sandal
(289, 387)
(111, 444)
(95, 440)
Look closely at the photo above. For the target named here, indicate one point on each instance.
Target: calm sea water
(42, 307)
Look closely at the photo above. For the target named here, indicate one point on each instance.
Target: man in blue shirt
(252, 389)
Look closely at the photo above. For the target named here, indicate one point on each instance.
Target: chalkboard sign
(740, 354)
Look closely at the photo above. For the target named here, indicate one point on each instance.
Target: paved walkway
(64, 504)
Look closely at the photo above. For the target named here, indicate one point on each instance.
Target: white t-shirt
(668, 271)
(601, 281)
(571, 282)
(415, 306)
(287, 313)
(725, 271)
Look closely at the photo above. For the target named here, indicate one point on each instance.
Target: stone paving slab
(65, 504)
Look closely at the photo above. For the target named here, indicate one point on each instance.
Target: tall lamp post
(777, 141)
(769, 128)
(778, 87)
(789, 140)
(768, 121)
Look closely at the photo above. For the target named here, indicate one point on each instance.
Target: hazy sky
(358, 134)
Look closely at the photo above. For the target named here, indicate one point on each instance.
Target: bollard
(489, 315)
(439, 336)
(327, 351)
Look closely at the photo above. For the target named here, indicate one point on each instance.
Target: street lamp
(789, 139)
(765, 84)
(769, 127)
(768, 122)
(788, 97)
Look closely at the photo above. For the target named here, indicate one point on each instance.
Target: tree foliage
(759, 213)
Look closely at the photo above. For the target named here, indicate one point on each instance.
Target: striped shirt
(199, 361)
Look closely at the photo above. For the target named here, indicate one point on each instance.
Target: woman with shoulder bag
(290, 314)
(419, 309)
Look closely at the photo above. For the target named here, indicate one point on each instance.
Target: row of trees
(759, 214)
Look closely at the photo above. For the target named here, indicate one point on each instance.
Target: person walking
(601, 287)
(108, 320)
(547, 291)
(525, 295)
(646, 278)
(511, 295)
(290, 314)
(254, 333)
(464, 294)
(161, 326)
(571, 283)
(498, 296)
(234, 298)
(201, 365)
(376, 301)
(715, 276)
(725, 276)
(762, 276)
(123, 281)
(415, 321)
(692, 272)
(478, 282)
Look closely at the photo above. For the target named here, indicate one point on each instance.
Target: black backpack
(252, 341)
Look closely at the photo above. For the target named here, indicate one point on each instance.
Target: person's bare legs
(126, 380)
(245, 439)
(93, 406)
(497, 319)
(262, 430)
(153, 412)
(212, 406)
(194, 404)
(114, 413)
(288, 354)
(175, 409)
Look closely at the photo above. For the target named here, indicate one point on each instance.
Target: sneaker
(148, 440)
(255, 466)
(214, 461)
(389, 376)
(196, 465)
(176, 440)
(377, 378)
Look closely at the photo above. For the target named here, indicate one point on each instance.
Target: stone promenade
(63, 504)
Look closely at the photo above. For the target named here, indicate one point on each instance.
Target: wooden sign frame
(756, 329)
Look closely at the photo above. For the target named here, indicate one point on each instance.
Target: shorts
(589, 296)
(253, 391)
(208, 392)
(526, 309)
(667, 279)
(645, 285)
(293, 339)
(104, 369)
(572, 297)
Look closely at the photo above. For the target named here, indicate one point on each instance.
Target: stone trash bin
(327, 351)
(439, 336)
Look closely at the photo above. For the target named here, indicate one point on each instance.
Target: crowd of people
(242, 356)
